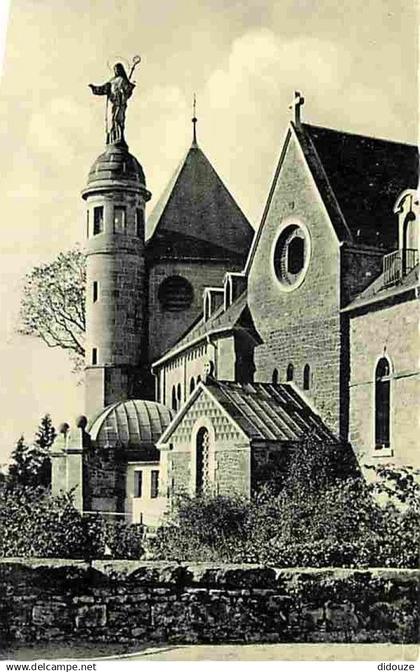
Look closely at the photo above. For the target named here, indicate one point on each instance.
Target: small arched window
(192, 385)
(173, 398)
(275, 377)
(202, 460)
(382, 404)
(290, 372)
(179, 395)
(306, 377)
(198, 379)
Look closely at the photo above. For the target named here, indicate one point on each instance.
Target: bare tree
(53, 304)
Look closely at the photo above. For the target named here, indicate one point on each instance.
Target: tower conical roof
(197, 209)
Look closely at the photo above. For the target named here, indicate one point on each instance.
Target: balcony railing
(397, 264)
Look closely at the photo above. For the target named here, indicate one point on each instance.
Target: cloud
(58, 130)
(247, 100)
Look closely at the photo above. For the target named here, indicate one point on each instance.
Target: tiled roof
(221, 320)
(197, 204)
(269, 412)
(377, 291)
(263, 411)
(365, 175)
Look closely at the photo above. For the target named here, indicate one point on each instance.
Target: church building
(212, 352)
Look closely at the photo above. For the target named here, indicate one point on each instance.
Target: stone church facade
(213, 352)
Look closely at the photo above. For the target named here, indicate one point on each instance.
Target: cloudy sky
(355, 61)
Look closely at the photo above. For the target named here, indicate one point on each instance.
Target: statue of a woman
(118, 90)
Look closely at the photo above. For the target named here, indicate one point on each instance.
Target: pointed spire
(194, 121)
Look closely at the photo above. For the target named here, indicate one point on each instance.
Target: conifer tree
(31, 465)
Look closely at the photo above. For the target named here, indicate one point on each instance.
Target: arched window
(275, 377)
(173, 398)
(202, 460)
(306, 377)
(290, 372)
(179, 395)
(409, 251)
(198, 379)
(192, 385)
(382, 404)
(175, 293)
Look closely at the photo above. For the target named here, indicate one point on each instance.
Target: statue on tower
(117, 91)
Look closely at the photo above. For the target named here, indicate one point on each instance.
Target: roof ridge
(359, 135)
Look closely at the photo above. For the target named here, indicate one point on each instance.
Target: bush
(325, 514)
(35, 525)
(203, 528)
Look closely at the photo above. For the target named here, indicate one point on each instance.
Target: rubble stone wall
(138, 603)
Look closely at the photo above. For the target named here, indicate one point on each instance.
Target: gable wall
(301, 326)
(392, 331)
(231, 450)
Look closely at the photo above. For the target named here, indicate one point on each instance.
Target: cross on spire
(194, 121)
(297, 103)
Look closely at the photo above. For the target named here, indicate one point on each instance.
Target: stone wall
(140, 603)
(374, 334)
(165, 327)
(300, 326)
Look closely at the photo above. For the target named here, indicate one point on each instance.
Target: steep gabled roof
(366, 176)
(262, 411)
(197, 205)
(359, 179)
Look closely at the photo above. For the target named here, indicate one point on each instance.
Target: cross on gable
(296, 105)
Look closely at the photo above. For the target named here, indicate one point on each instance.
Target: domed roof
(115, 167)
(135, 423)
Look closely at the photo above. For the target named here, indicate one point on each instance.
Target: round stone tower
(115, 198)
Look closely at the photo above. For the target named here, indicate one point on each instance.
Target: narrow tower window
(173, 398)
(290, 372)
(139, 223)
(275, 377)
(98, 220)
(95, 291)
(138, 483)
(119, 219)
(87, 224)
(192, 385)
(306, 377)
(154, 483)
(94, 356)
(202, 460)
(179, 395)
(382, 404)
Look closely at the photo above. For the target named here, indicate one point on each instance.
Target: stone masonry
(141, 603)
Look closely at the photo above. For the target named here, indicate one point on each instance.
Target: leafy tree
(31, 465)
(53, 304)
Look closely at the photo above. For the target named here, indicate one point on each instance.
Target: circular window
(175, 293)
(291, 256)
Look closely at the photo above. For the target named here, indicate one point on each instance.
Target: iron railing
(397, 264)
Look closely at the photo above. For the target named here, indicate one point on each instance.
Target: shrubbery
(35, 525)
(321, 517)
